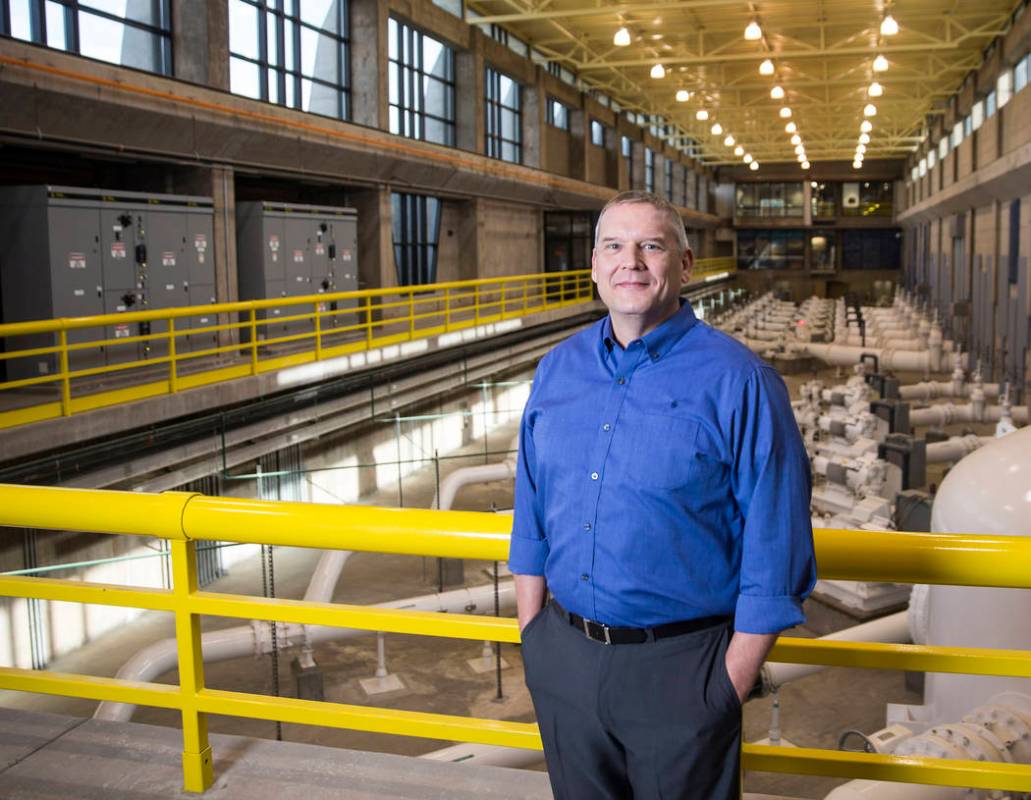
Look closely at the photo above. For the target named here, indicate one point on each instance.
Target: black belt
(614, 635)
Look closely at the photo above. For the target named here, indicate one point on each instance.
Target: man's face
(638, 266)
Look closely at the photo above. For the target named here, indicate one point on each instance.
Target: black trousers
(644, 721)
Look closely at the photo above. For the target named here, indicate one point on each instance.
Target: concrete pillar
(579, 139)
(471, 240)
(200, 41)
(376, 269)
(369, 51)
(534, 108)
(470, 126)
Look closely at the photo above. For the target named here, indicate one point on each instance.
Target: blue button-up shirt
(664, 482)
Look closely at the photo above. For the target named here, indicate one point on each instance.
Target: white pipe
(255, 637)
(482, 473)
(893, 628)
(948, 413)
(931, 390)
(877, 790)
(847, 355)
(327, 573)
(955, 447)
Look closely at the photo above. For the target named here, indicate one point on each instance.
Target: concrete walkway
(55, 757)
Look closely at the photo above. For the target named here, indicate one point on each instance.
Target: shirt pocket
(667, 452)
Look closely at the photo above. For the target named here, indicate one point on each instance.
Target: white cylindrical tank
(987, 492)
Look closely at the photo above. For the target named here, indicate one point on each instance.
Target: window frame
(561, 121)
(494, 109)
(290, 78)
(416, 247)
(412, 80)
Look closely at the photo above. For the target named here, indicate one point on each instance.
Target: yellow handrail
(259, 336)
(185, 519)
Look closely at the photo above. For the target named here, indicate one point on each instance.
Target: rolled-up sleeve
(772, 484)
(528, 549)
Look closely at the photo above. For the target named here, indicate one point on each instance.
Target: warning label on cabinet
(77, 260)
(168, 258)
(117, 249)
(345, 254)
(298, 256)
(273, 245)
(200, 243)
(121, 331)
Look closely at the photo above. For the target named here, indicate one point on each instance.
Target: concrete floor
(434, 672)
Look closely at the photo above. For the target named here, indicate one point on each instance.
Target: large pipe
(847, 355)
(955, 447)
(483, 473)
(893, 628)
(947, 413)
(255, 637)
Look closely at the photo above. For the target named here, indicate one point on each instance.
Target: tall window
(597, 133)
(627, 149)
(137, 35)
(416, 236)
(667, 169)
(504, 139)
(568, 239)
(422, 85)
(558, 114)
(649, 170)
(295, 55)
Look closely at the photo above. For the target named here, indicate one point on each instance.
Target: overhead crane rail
(183, 519)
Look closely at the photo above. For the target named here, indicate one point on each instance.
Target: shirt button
(620, 381)
(587, 526)
(585, 577)
(606, 427)
(594, 476)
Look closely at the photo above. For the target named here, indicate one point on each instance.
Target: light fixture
(796, 139)
(866, 126)
(716, 129)
(753, 32)
(870, 110)
(729, 141)
(791, 127)
(683, 95)
(864, 138)
(857, 164)
(754, 166)
(799, 150)
(805, 165)
(622, 38)
(739, 150)
(800, 157)
(889, 27)
(658, 71)
(875, 89)
(860, 148)
(880, 64)
(785, 112)
(701, 115)
(766, 67)
(777, 93)
(747, 158)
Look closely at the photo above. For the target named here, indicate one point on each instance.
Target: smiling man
(662, 498)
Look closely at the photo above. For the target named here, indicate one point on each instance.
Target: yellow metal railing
(59, 367)
(184, 519)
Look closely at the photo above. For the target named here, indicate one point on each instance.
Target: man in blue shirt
(662, 497)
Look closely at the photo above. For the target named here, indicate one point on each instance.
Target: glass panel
(395, 120)
(57, 36)
(989, 104)
(21, 20)
(509, 125)
(272, 37)
(957, 134)
(1004, 87)
(509, 92)
(290, 59)
(436, 131)
(273, 86)
(1020, 74)
(146, 11)
(978, 114)
(318, 98)
(116, 43)
(324, 14)
(943, 147)
(320, 56)
(510, 152)
(436, 94)
(394, 90)
(392, 38)
(244, 78)
(434, 57)
(243, 29)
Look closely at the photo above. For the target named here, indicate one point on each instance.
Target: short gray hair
(660, 204)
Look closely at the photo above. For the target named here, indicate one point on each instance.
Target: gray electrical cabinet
(72, 252)
(285, 250)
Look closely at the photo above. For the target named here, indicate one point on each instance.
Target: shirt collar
(659, 341)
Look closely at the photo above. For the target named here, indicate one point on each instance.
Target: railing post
(411, 314)
(476, 304)
(504, 288)
(318, 333)
(525, 288)
(368, 321)
(66, 382)
(173, 379)
(198, 773)
(254, 342)
(447, 309)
